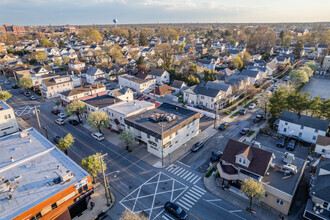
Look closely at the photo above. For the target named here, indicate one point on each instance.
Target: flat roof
(36, 164)
(277, 179)
(131, 106)
(4, 105)
(142, 122)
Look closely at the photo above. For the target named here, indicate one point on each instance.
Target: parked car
(258, 118)
(280, 142)
(62, 115)
(32, 97)
(243, 111)
(98, 136)
(59, 121)
(21, 91)
(197, 146)
(244, 131)
(201, 107)
(252, 106)
(14, 86)
(215, 156)
(55, 111)
(291, 146)
(74, 122)
(223, 126)
(27, 93)
(286, 78)
(175, 210)
(7, 82)
(57, 138)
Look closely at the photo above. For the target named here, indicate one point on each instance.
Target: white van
(98, 136)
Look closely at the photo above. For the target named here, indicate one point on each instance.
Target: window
(148, 136)
(266, 195)
(326, 205)
(323, 150)
(170, 137)
(240, 160)
(5, 116)
(202, 97)
(54, 206)
(302, 127)
(128, 127)
(9, 116)
(188, 126)
(314, 137)
(279, 201)
(286, 123)
(316, 130)
(300, 134)
(284, 129)
(243, 161)
(176, 133)
(156, 139)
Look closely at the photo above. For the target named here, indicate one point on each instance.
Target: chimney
(134, 104)
(30, 140)
(176, 109)
(97, 86)
(12, 159)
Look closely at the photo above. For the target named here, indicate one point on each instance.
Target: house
(52, 52)
(322, 145)
(326, 63)
(318, 205)
(177, 85)
(8, 124)
(53, 86)
(100, 103)
(119, 111)
(162, 90)
(75, 64)
(146, 52)
(241, 161)
(95, 48)
(206, 63)
(255, 76)
(95, 75)
(137, 83)
(39, 71)
(238, 82)
(161, 76)
(225, 73)
(201, 95)
(81, 93)
(40, 179)
(302, 127)
(225, 88)
(123, 93)
(164, 129)
(282, 60)
(271, 67)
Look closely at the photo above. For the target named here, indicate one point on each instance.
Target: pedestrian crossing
(183, 173)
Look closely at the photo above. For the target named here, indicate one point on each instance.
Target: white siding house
(135, 83)
(8, 122)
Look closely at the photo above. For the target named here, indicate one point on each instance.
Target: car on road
(98, 136)
(175, 210)
(215, 156)
(57, 138)
(74, 122)
(32, 97)
(258, 118)
(21, 91)
(60, 121)
(197, 146)
(243, 111)
(14, 86)
(55, 111)
(7, 82)
(291, 146)
(62, 115)
(252, 106)
(280, 142)
(27, 94)
(223, 126)
(244, 131)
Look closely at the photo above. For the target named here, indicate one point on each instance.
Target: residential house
(271, 67)
(225, 88)
(8, 124)
(119, 111)
(162, 90)
(225, 73)
(95, 75)
(326, 63)
(201, 95)
(95, 48)
(100, 103)
(122, 93)
(53, 86)
(206, 63)
(240, 161)
(164, 129)
(302, 127)
(282, 60)
(177, 85)
(322, 145)
(137, 83)
(146, 52)
(52, 52)
(82, 93)
(161, 76)
(77, 65)
(238, 82)
(255, 75)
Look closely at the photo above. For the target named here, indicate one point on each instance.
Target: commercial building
(8, 122)
(38, 181)
(165, 128)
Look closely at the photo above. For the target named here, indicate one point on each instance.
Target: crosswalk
(183, 173)
(188, 200)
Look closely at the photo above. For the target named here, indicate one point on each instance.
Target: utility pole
(215, 116)
(42, 94)
(162, 145)
(36, 112)
(46, 132)
(105, 180)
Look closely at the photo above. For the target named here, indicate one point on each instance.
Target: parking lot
(300, 150)
(317, 86)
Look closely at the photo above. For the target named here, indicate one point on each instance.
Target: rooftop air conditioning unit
(67, 176)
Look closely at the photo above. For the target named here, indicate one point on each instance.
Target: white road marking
(195, 193)
(169, 167)
(190, 177)
(178, 170)
(193, 178)
(184, 204)
(183, 164)
(213, 200)
(183, 174)
(200, 189)
(235, 211)
(179, 173)
(225, 210)
(192, 195)
(189, 198)
(197, 180)
(186, 175)
(188, 201)
(197, 190)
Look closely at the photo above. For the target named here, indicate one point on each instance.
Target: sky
(86, 12)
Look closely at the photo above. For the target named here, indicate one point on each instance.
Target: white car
(62, 115)
(98, 136)
(59, 121)
(252, 105)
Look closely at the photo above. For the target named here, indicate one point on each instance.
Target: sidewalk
(236, 200)
(100, 208)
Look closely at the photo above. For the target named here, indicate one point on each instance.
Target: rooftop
(4, 106)
(136, 79)
(102, 101)
(304, 120)
(36, 163)
(127, 108)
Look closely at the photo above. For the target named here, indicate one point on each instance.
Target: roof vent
(12, 159)
(24, 134)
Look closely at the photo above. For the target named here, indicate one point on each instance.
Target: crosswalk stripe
(167, 216)
(178, 170)
(174, 168)
(190, 198)
(185, 203)
(197, 190)
(200, 189)
(179, 173)
(193, 195)
(184, 173)
(183, 206)
(169, 167)
(190, 177)
(188, 201)
(193, 179)
(197, 180)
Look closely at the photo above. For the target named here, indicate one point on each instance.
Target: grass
(250, 133)
(235, 114)
(249, 103)
(208, 174)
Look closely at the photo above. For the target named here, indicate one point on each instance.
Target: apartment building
(136, 83)
(8, 122)
(202, 95)
(53, 86)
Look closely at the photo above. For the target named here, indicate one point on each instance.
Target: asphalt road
(135, 184)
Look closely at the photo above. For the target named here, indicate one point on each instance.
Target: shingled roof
(304, 120)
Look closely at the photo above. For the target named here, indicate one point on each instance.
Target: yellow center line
(196, 217)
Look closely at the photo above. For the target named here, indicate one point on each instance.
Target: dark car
(175, 210)
(201, 107)
(55, 111)
(14, 86)
(27, 94)
(197, 146)
(291, 146)
(258, 118)
(280, 142)
(223, 126)
(243, 111)
(74, 122)
(244, 131)
(57, 139)
(215, 156)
